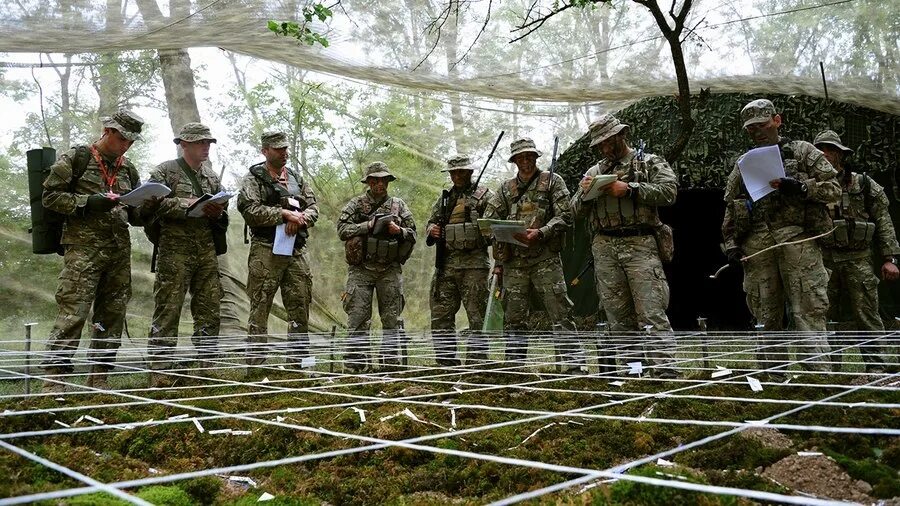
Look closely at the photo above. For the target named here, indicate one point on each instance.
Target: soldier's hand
(889, 271)
(152, 204)
(394, 229)
(498, 270)
(101, 203)
(291, 228)
(734, 256)
(531, 236)
(617, 189)
(301, 220)
(213, 210)
(789, 186)
(435, 231)
(586, 182)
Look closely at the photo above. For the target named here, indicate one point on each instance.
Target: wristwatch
(633, 189)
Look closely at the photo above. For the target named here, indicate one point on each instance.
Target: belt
(626, 232)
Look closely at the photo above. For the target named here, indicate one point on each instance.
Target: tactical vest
(535, 214)
(277, 195)
(611, 212)
(378, 248)
(461, 232)
(850, 216)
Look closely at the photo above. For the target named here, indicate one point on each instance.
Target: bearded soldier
(461, 271)
(273, 194)
(379, 234)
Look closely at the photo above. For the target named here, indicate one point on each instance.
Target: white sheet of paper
(754, 383)
(308, 362)
(600, 182)
(265, 497)
(635, 368)
(219, 198)
(505, 233)
(759, 166)
(721, 371)
(144, 193)
(284, 244)
(617, 383)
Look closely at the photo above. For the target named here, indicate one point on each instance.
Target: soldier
(624, 222)
(187, 252)
(461, 275)
(784, 272)
(379, 234)
(542, 203)
(84, 185)
(860, 217)
(273, 194)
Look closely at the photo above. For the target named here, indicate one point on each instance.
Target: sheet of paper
(759, 166)
(219, 198)
(505, 232)
(600, 182)
(635, 368)
(144, 193)
(283, 244)
(754, 383)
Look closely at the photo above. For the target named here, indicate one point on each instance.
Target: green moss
(883, 478)
(630, 492)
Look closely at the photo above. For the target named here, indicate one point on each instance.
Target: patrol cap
(126, 122)
(377, 169)
(523, 145)
(193, 132)
(275, 140)
(459, 162)
(604, 128)
(758, 111)
(831, 137)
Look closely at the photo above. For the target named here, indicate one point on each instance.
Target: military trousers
(91, 276)
(180, 270)
(450, 289)
(794, 274)
(362, 285)
(633, 289)
(854, 281)
(267, 273)
(545, 278)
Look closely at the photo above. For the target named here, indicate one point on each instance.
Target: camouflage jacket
(469, 248)
(104, 229)
(177, 230)
(262, 211)
(355, 216)
(539, 208)
(783, 217)
(862, 201)
(652, 182)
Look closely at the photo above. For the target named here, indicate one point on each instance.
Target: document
(599, 182)
(504, 230)
(283, 244)
(196, 210)
(759, 166)
(144, 193)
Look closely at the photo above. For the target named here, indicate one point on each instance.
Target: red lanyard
(109, 179)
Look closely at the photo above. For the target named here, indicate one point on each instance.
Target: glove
(100, 203)
(791, 187)
(734, 256)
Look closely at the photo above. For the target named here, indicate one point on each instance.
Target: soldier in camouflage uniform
(624, 222)
(861, 218)
(273, 194)
(792, 273)
(462, 278)
(84, 185)
(542, 203)
(379, 234)
(187, 251)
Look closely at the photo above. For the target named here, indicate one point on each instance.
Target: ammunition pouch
(387, 251)
(850, 234)
(463, 236)
(665, 242)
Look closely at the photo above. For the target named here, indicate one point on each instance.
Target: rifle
(583, 271)
(440, 253)
(493, 150)
(553, 163)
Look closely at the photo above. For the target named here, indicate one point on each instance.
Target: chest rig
(461, 231)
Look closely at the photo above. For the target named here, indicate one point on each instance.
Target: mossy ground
(411, 476)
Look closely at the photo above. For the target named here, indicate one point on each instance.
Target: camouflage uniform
(543, 205)
(187, 256)
(379, 269)
(261, 203)
(463, 277)
(97, 245)
(631, 283)
(792, 273)
(860, 217)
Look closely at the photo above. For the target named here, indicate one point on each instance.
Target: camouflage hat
(523, 145)
(758, 111)
(831, 137)
(193, 132)
(604, 128)
(377, 169)
(275, 140)
(459, 162)
(126, 122)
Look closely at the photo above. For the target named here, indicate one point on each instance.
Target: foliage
(301, 31)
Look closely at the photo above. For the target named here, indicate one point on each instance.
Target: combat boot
(97, 378)
(51, 387)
